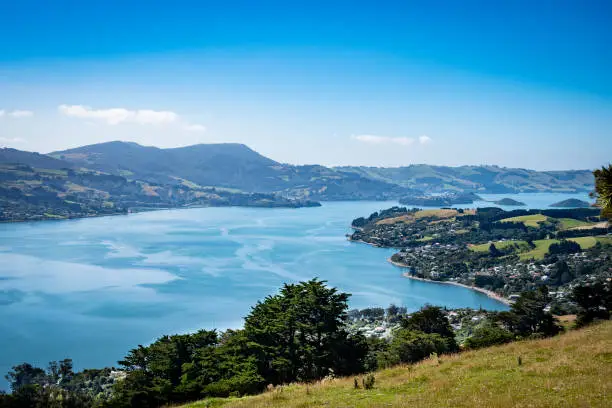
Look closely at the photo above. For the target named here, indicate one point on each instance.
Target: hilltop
(572, 369)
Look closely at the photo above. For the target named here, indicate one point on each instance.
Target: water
(91, 289)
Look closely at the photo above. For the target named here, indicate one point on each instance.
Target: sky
(378, 83)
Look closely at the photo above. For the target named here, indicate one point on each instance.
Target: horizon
(305, 164)
(340, 83)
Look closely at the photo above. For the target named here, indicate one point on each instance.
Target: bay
(91, 289)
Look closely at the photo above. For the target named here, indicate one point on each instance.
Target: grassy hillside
(542, 245)
(529, 220)
(571, 370)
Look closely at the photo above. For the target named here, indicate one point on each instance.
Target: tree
(25, 374)
(408, 346)
(594, 300)
(528, 317)
(488, 335)
(299, 333)
(603, 190)
(493, 251)
(432, 320)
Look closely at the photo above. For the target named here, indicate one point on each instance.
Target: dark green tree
(432, 320)
(603, 190)
(299, 333)
(488, 335)
(528, 317)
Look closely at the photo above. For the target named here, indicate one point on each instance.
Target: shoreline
(489, 293)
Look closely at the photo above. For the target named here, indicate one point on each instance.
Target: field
(437, 213)
(569, 223)
(529, 220)
(571, 370)
(542, 245)
(520, 245)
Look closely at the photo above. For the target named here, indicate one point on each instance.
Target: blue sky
(384, 83)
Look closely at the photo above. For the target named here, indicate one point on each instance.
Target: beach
(489, 293)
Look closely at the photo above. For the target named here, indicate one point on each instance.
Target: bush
(488, 335)
(410, 346)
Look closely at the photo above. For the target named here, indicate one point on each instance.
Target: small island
(572, 203)
(509, 202)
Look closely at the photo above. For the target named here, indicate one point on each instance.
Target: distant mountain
(230, 166)
(483, 179)
(14, 156)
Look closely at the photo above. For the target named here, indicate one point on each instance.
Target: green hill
(570, 370)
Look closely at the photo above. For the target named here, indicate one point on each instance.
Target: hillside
(227, 165)
(14, 156)
(570, 370)
(483, 179)
(34, 193)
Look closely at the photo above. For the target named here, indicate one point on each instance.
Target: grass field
(570, 370)
(529, 220)
(520, 245)
(568, 223)
(542, 245)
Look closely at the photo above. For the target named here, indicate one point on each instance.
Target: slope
(570, 370)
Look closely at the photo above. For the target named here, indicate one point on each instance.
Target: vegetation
(567, 370)
(301, 335)
(603, 190)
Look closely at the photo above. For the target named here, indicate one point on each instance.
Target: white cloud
(11, 140)
(21, 113)
(16, 113)
(191, 127)
(373, 139)
(424, 139)
(114, 116)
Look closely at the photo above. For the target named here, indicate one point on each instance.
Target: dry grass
(571, 370)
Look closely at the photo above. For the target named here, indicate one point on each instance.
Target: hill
(33, 193)
(571, 203)
(227, 165)
(509, 202)
(569, 370)
(483, 179)
(14, 156)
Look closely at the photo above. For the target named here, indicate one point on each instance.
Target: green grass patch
(567, 223)
(533, 220)
(518, 245)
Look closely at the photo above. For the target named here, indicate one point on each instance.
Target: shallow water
(91, 289)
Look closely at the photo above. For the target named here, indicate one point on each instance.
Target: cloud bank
(382, 140)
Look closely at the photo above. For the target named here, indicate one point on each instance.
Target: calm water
(92, 289)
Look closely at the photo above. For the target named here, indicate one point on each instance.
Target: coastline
(489, 293)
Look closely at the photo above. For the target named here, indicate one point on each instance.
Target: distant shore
(489, 293)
